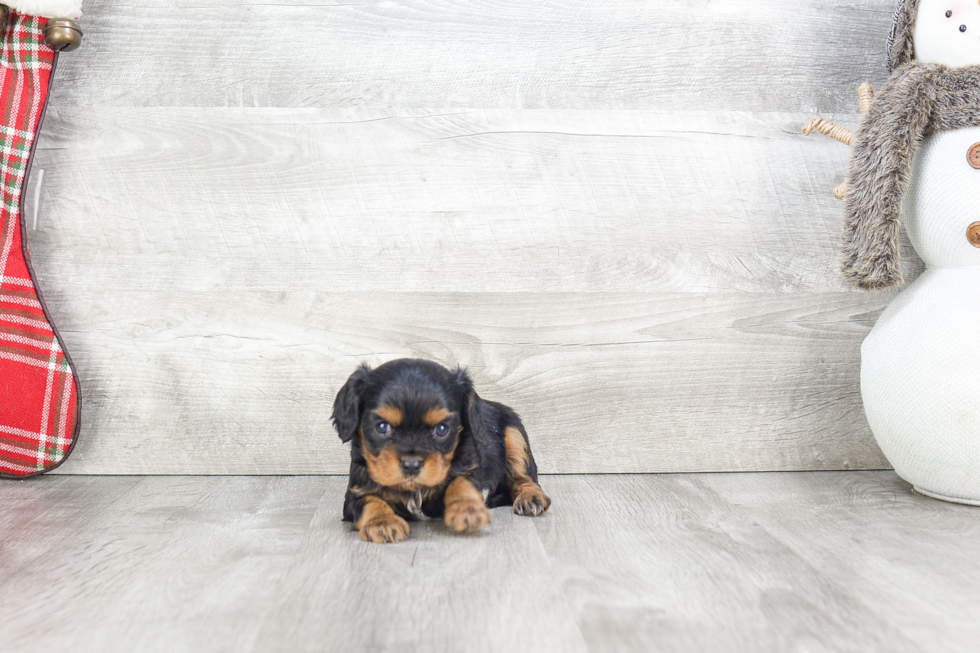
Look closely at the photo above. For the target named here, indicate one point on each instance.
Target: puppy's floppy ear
(473, 413)
(347, 404)
(462, 378)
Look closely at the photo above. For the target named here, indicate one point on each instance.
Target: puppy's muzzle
(411, 465)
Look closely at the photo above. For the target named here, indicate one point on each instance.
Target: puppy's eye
(441, 430)
(383, 428)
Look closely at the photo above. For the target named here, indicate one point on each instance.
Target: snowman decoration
(916, 159)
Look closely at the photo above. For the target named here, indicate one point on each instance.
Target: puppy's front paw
(384, 528)
(467, 516)
(531, 501)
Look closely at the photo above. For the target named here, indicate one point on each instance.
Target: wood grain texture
(221, 283)
(752, 55)
(471, 201)
(736, 562)
(178, 382)
(605, 209)
(115, 555)
(230, 270)
(875, 519)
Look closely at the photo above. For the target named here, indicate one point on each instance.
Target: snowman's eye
(948, 14)
(962, 28)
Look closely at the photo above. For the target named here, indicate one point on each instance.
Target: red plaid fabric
(38, 393)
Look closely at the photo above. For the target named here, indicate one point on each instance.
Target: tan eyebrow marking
(435, 415)
(390, 414)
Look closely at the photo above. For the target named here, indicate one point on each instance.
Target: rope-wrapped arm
(866, 95)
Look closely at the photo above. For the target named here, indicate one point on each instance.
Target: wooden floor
(839, 561)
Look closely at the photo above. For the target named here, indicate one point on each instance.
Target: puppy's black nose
(411, 466)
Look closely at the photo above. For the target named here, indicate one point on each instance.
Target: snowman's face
(948, 32)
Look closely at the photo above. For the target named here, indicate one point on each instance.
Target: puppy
(423, 444)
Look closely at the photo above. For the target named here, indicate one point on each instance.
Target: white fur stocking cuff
(47, 8)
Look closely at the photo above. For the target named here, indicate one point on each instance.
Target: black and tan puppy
(423, 444)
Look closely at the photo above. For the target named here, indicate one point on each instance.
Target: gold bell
(62, 34)
(4, 11)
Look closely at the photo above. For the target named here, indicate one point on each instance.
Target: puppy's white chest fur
(414, 505)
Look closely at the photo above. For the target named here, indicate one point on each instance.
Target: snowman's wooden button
(973, 156)
(973, 234)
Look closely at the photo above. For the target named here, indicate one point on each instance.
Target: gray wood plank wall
(603, 207)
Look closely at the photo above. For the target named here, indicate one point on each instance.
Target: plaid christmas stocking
(39, 402)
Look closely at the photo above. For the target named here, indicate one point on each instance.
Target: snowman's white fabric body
(920, 365)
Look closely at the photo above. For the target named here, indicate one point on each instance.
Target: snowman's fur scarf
(47, 8)
(900, 48)
(917, 100)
